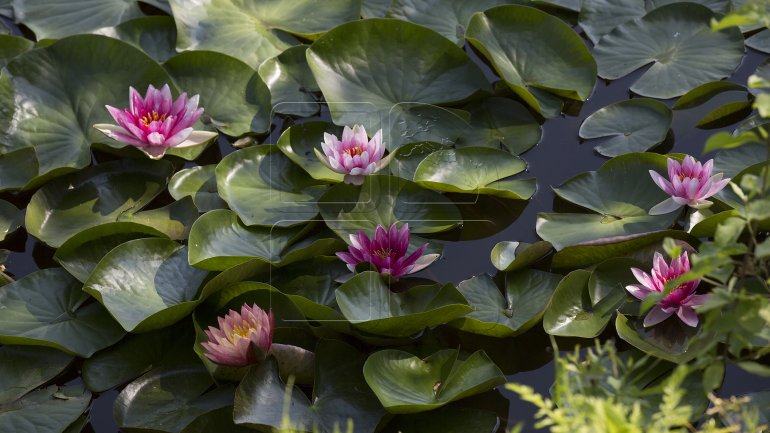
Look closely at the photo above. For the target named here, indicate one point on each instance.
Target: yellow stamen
(382, 253)
(242, 330)
(152, 117)
(355, 151)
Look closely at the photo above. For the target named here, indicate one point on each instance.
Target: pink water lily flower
(387, 252)
(355, 155)
(157, 122)
(688, 184)
(242, 338)
(682, 300)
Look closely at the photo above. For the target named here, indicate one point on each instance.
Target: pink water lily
(157, 122)
(682, 300)
(242, 338)
(355, 155)
(387, 252)
(688, 184)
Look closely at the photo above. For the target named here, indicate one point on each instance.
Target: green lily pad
(374, 8)
(62, 102)
(405, 383)
(367, 302)
(291, 82)
(235, 98)
(299, 143)
(446, 420)
(634, 125)
(727, 114)
(155, 35)
(200, 183)
(173, 220)
(51, 19)
(678, 40)
(253, 32)
(339, 394)
(80, 253)
(669, 340)
(386, 200)
(475, 170)
(410, 122)
(704, 93)
(599, 17)
(509, 256)
(46, 308)
(580, 309)
(11, 219)
(147, 284)
(169, 399)
(513, 39)
(349, 64)
(501, 122)
(760, 41)
(50, 409)
(12, 46)
(621, 206)
(521, 307)
(24, 368)
(107, 192)
(408, 157)
(450, 18)
(265, 188)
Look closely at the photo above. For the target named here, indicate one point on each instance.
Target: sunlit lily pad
(291, 82)
(367, 68)
(108, 192)
(46, 308)
(11, 219)
(253, 32)
(510, 256)
(146, 284)
(235, 98)
(24, 368)
(386, 200)
(677, 39)
(299, 143)
(62, 103)
(155, 35)
(200, 183)
(266, 188)
(340, 393)
(634, 125)
(50, 409)
(520, 307)
(513, 39)
(367, 302)
(475, 170)
(405, 383)
(51, 19)
(407, 158)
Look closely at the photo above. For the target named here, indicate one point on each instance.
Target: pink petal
(661, 182)
(688, 316)
(655, 316)
(666, 206)
(638, 291)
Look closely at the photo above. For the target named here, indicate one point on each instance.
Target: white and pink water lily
(689, 184)
(156, 122)
(355, 155)
(681, 301)
(242, 338)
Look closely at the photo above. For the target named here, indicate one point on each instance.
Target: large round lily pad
(155, 35)
(539, 56)
(254, 31)
(50, 409)
(367, 68)
(677, 39)
(46, 309)
(24, 368)
(291, 82)
(65, 86)
(405, 383)
(51, 19)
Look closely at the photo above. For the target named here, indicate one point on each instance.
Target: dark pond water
(559, 156)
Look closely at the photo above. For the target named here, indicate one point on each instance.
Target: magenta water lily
(387, 252)
(242, 338)
(355, 155)
(689, 184)
(157, 122)
(681, 301)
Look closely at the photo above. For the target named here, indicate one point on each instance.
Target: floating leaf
(155, 35)
(24, 368)
(11, 219)
(760, 41)
(50, 409)
(51, 19)
(12, 46)
(200, 183)
(599, 17)
(291, 82)
(511, 256)
(501, 122)
(299, 143)
(704, 93)
(669, 340)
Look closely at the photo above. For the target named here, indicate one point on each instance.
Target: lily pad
(299, 143)
(705, 92)
(48, 410)
(621, 206)
(155, 35)
(62, 102)
(496, 314)
(513, 39)
(51, 19)
(509, 256)
(677, 39)
(599, 17)
(11, 219)
(405, 383)
(24, 368)
(386, 200)
(200, 183)
(46, 308)
(147, 284)
(367, 302)
(634, 125)
(291, 82)
(501, 123)
(266, 188)
(374, 61)
(670, 340)
(12, 46)
(339, 394)
(760, 41)
(235, 98)
(107, 192)
(408, 157)
(253, 32)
